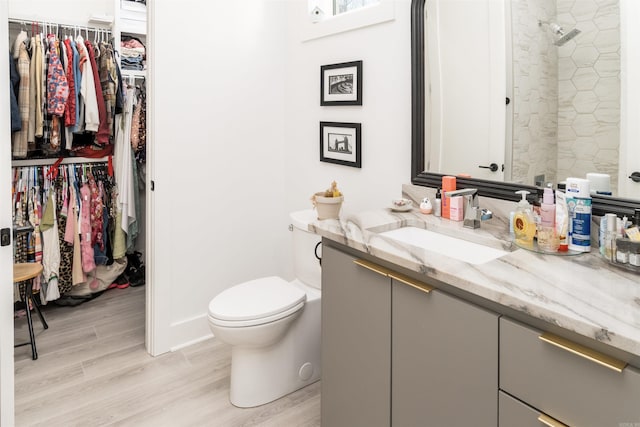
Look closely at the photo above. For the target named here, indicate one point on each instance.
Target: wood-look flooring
(93, 370)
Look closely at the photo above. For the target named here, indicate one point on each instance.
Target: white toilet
(273, 325)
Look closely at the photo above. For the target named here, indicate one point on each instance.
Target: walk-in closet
(78, 95)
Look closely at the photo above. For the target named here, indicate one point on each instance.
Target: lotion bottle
(547, 209)
(524, 225)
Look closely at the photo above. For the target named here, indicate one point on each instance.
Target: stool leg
(36, 304)
(32, 336)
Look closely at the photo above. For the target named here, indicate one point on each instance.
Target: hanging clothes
(70, 110)
(90, 119)
(57, 86)
(109, 82)
(31, 131)
(39, 59)
(102, 135)
(19, 138)
(16, 120)
(51, 255)
(69, 209)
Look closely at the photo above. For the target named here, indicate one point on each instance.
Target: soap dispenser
(524, 225)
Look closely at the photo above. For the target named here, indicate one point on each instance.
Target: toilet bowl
(273, 326)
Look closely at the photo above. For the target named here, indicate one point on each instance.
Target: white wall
(385, 114)
(239, 136)
(218, 154)
(61, 11)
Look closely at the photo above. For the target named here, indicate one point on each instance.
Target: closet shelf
(50, 161)
(134, 73)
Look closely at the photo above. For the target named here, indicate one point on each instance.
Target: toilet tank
(305, 264)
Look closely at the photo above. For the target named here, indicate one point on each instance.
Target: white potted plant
(328, 203)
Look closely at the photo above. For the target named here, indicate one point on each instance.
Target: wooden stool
(26, 272)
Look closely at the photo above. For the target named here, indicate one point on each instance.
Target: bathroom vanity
(412, 337)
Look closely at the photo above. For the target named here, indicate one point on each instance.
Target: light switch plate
(5, 237)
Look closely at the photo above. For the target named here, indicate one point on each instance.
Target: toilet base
(262, 375)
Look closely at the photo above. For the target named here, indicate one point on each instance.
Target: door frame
(6, 252)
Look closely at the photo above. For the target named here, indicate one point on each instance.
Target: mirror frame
(487, 188)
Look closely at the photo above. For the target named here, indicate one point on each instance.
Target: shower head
(565, 37)
(559, 32)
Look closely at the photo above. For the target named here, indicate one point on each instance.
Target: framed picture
(340, 143)
(341, 84)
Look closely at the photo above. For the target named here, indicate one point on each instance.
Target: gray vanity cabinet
(444, 360)
(397, 353)
(567, 381)
(356, 343)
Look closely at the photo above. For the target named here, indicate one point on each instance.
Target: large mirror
(517, 92)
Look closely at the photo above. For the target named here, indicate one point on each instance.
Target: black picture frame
(340, 143)
(341, 84)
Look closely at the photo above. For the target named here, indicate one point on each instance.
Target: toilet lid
(256, 299)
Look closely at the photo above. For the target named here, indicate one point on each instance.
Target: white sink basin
(452, 247)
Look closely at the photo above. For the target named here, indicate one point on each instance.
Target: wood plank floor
(93, 370)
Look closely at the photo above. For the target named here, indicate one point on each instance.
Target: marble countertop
(582, 293)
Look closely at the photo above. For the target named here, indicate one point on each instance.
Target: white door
(6, 252)
(630, 98)
(467, 122)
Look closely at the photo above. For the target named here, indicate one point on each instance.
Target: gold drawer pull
(371, 266)
(582, 351)
(551, 422)
(409, 281)
(392, 274)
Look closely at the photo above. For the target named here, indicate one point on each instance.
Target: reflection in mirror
(614, 106)
(533, 85)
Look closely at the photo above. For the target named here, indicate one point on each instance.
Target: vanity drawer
(513, 413)
(568, 387)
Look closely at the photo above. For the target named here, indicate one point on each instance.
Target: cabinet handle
(551, 422)
(373, 267)
(392, 274)
(582, 351)
(409, 281)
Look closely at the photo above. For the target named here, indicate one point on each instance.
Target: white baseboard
(189, 331)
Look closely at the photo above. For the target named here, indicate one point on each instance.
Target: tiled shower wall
(589, 89)
(580, 132)
(535, 92)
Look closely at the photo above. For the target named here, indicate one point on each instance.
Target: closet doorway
(144, 242)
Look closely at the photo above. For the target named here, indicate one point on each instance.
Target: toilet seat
(256, 302)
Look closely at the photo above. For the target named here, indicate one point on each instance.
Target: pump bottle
(524, 225)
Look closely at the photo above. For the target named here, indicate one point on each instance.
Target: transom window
(342, 6)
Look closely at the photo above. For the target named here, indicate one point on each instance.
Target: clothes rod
(28, 23)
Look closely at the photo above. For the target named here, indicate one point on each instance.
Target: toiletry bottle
(634, 254)
(437, 204)
(636, 218)
(607, 234)
(579, 203)
(547, 236)
(536, 206)
(456, 211)
(547, 209)
(524, 226)
(622, 251)
(610, 236)
(448, 184)
(562, 221)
